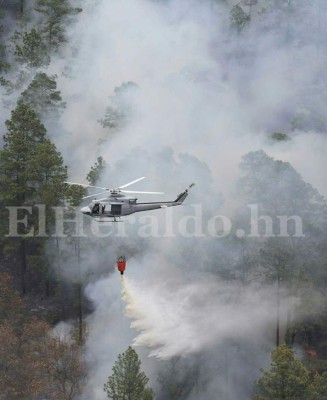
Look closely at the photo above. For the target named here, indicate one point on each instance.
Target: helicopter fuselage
(117, 205)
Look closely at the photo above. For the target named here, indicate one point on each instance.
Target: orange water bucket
(121, 264)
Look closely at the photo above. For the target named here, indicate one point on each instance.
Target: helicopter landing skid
(108, 219)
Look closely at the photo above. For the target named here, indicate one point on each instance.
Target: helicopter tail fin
(181, 197)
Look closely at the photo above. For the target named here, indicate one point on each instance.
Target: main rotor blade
(131, 183)
(138, 191)
(84, 185)
(93, 195)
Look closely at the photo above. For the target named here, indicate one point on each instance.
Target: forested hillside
(223, 297)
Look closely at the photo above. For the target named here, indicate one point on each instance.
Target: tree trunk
(80, 314)
(47, 287)
(23, 265)
(60, 284)
(278, 307)
(80, 295)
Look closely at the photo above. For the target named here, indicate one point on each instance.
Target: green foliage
(4, 66)
(287, 378)
(56, 13)
(74, 194)
(279, 137)
(309, 328)
(296, 263)
(127, 381)
(277, 186)
(32, 172)
(96, 171)
(238, 18)
(31, 49)
(4, 82)
(277, 256)
(318, 388)
(42, 95)
(32, 169)
(49, 173)
(25, 133)
(121, 107)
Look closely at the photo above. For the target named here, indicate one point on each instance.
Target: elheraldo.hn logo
(73, 223)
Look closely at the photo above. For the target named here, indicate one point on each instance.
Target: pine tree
(276, 185)
(96, 171)
(287, 379)
(55, 13)
(32, 172)
(127, 381)
(31, 49)
(4, 66)
(121, 107)
(25, 133)
(42, 96)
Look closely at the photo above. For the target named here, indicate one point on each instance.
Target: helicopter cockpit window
(96, 208)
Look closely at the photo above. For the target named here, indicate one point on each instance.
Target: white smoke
(193, 96)
(167, 311)
(178, 318)
(198, 95)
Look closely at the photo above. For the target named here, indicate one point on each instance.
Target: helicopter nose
(86, 210)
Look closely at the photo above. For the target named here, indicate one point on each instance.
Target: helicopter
(117, 204)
